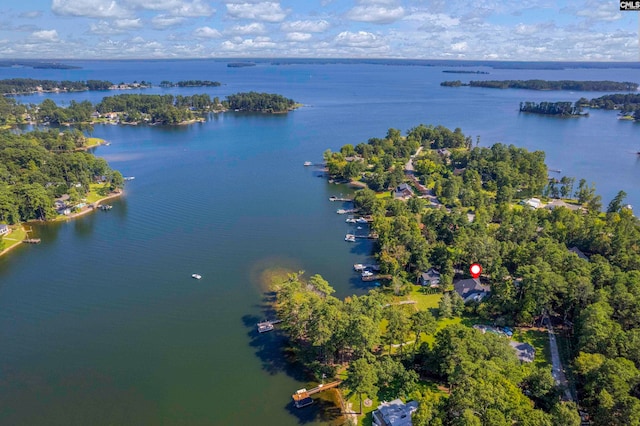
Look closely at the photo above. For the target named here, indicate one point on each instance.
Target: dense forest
(136, 108)
(260, 102)
(628, 104)
(562, 109)
(460, 376)
(190, 83)
(39, 166)
(589, 86)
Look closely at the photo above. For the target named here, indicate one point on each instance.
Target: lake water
(102, 324)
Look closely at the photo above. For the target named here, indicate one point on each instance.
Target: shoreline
(8, 249)
(82, 212)
(88, 209)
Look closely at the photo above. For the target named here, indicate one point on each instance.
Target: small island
(561, 109)
(190, 83)
(464, 72)
(627, 105)
(37, 64)
(241, 64)
(589, 86)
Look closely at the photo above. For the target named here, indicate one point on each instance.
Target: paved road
(556, 365)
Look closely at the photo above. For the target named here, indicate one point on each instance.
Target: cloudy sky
(430, 29)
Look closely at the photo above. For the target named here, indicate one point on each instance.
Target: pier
(267, 325)
(32, 241)
(376, 277)
(302, 397)
(345, 211)
(346, 200)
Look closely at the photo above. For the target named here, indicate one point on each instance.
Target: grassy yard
(96, 192)
(539, 339)
(14, 238)
(91, 142)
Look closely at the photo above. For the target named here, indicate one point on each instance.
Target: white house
(394, 413)
(4, 229)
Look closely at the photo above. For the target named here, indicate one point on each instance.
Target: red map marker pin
(475, 270)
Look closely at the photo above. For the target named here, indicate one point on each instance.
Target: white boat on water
(308, 163)
(366, 274)
(361, 220)
(265, 326)
(350, 220)
(196, 276)
(350, 238)
(358, 267)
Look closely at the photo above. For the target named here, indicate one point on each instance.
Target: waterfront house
(430, 278)
(402, 191)
(534, 203)
(471, 290)
(559, 203)
(394, 413)
(579, 252)
(524, 351)
(4, 229)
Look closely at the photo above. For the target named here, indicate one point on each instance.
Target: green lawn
(96, 192)
(539, 339)
(14, 238)
(91, 142)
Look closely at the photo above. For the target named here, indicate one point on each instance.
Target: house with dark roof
(524, 351)
(579, 252)
(402, 191)
(394, 413)
(471, 290)
(430, 278)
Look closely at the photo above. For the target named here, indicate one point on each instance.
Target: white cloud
(117, 26)
(249, 46)
(49, 36)
(90, 8)
(460, 46)
(166, 21)
(298, 36)
(264, 11)
(375, 14)
(31, 14)
(183, 8)
(361, 39)
(305, 26)
(207, 32)
(252, 28)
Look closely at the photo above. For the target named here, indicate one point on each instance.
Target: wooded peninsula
(139, 108)
(589, 86)
(448, 342)
(627, 104)
(22, 86)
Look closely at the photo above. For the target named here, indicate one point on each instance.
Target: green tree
(362, 377)
(445, 306)
(616, 204)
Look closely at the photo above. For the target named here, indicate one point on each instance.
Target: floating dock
(346, 200)
(302, 397)
(32, 241)
(267, 325)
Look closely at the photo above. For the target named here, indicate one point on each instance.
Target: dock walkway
(302, 397)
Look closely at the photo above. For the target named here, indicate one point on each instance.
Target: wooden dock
(302, 397)
(32, 241)
(376, 277)
(346, 200)
(372, 236)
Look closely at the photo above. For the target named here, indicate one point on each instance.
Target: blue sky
(588, 30)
